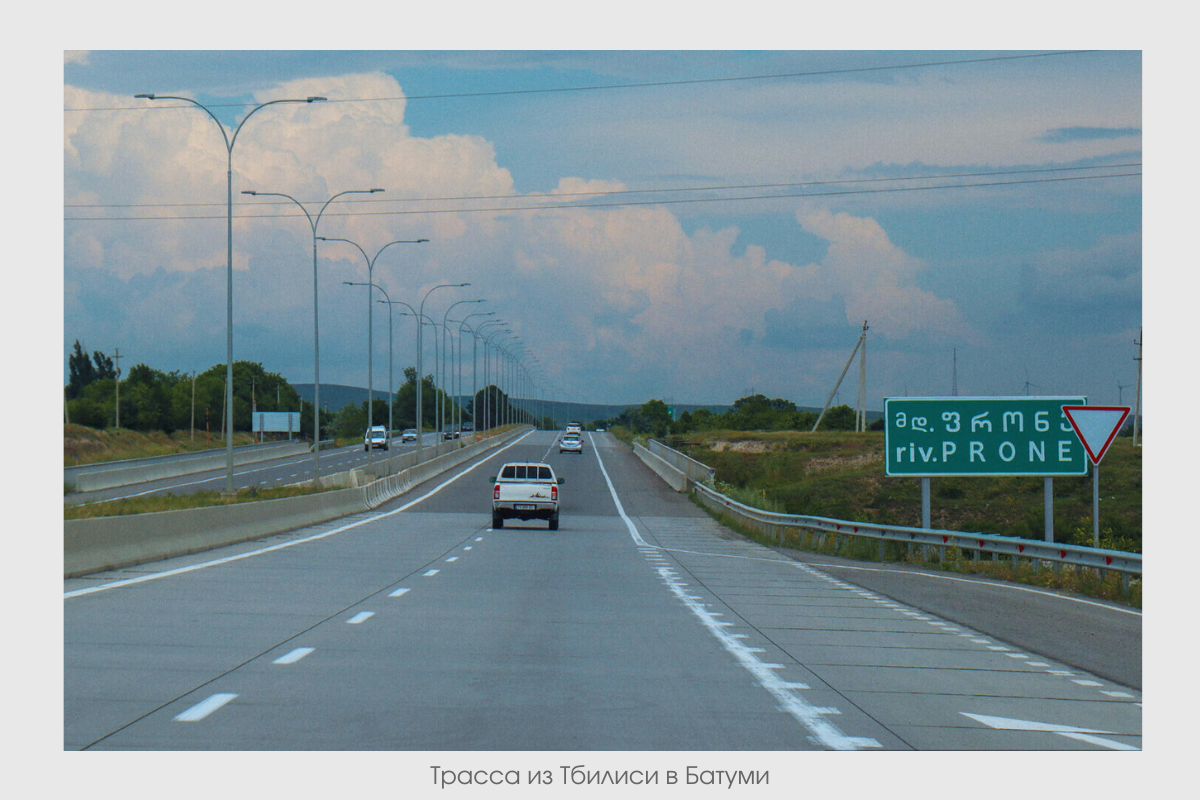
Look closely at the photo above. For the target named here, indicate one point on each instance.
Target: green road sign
(976, 436)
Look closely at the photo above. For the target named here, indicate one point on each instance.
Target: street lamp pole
(316, 327)
(391, 358)
(448, 357)
(461, 325)
(420, 361)
(229, 143)
(370, 307)
(487, 372)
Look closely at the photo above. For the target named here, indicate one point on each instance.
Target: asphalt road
(640, 625)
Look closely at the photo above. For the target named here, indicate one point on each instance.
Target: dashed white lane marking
(451, 559)
(204, 708)
(373, 518)
(399, 593)
(431, 573)
(360, 617)
(811, 717)
(294, 656)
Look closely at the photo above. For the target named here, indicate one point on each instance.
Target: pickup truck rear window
(526, 473)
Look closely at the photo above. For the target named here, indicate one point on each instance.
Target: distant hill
(335, 397)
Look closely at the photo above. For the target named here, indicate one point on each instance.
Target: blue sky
(735, 236)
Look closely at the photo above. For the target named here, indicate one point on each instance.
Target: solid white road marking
(1069, 731)
(294, 656)
(373, 518)
(204, 708)
(806, 714)
(1009, 586)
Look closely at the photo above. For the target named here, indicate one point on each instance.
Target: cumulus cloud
(624, 293)
(877, 280)
(1099, 288)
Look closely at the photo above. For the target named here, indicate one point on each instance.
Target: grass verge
(176, 502)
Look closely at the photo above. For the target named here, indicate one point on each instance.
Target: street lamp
(391, 360)
(316, 330)
(448, 357)
(229, 143)
(420, 363)
(487, 369)
(418, 380)
(370, 326)
(474, 351)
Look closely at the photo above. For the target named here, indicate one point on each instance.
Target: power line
(677, 201)
(641, 85)
(610, 192)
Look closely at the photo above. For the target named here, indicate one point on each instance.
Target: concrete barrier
(94, 545)
(675, 478)
(102, 543)
(173, 467)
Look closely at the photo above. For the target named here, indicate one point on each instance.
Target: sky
(686, 225)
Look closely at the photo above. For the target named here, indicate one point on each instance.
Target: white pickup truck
(525, 491)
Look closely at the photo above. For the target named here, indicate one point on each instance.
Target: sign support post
(982, 436)
(1048, 482)
(1096, 427)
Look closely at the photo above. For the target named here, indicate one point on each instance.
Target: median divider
(173, 466)
(103, 543)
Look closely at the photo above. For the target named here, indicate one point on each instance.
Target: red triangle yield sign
(1096, 426)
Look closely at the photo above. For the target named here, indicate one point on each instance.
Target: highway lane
(638, 626)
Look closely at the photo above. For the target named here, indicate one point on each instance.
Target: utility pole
(954, 375)
(117, 358)
(862, 375)
(193, 405)
(1137, 411)
(860, 420)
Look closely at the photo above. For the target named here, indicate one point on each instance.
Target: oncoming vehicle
(571, 443)
(525, 491)
(376, 438)
(409, 435)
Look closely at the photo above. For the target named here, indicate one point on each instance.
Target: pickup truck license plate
(524, 506)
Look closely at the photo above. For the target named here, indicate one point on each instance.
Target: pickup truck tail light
(496, 492)
(554, 493)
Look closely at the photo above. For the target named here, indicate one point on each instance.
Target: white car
(525, 491)
(571, 443)
(376, 438)
(574, 427)
(409, 435)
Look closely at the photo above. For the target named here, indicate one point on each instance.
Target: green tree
(404, 410)
(838, 418)
(81, 372)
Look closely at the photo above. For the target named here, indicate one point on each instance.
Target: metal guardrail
(776, 524)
